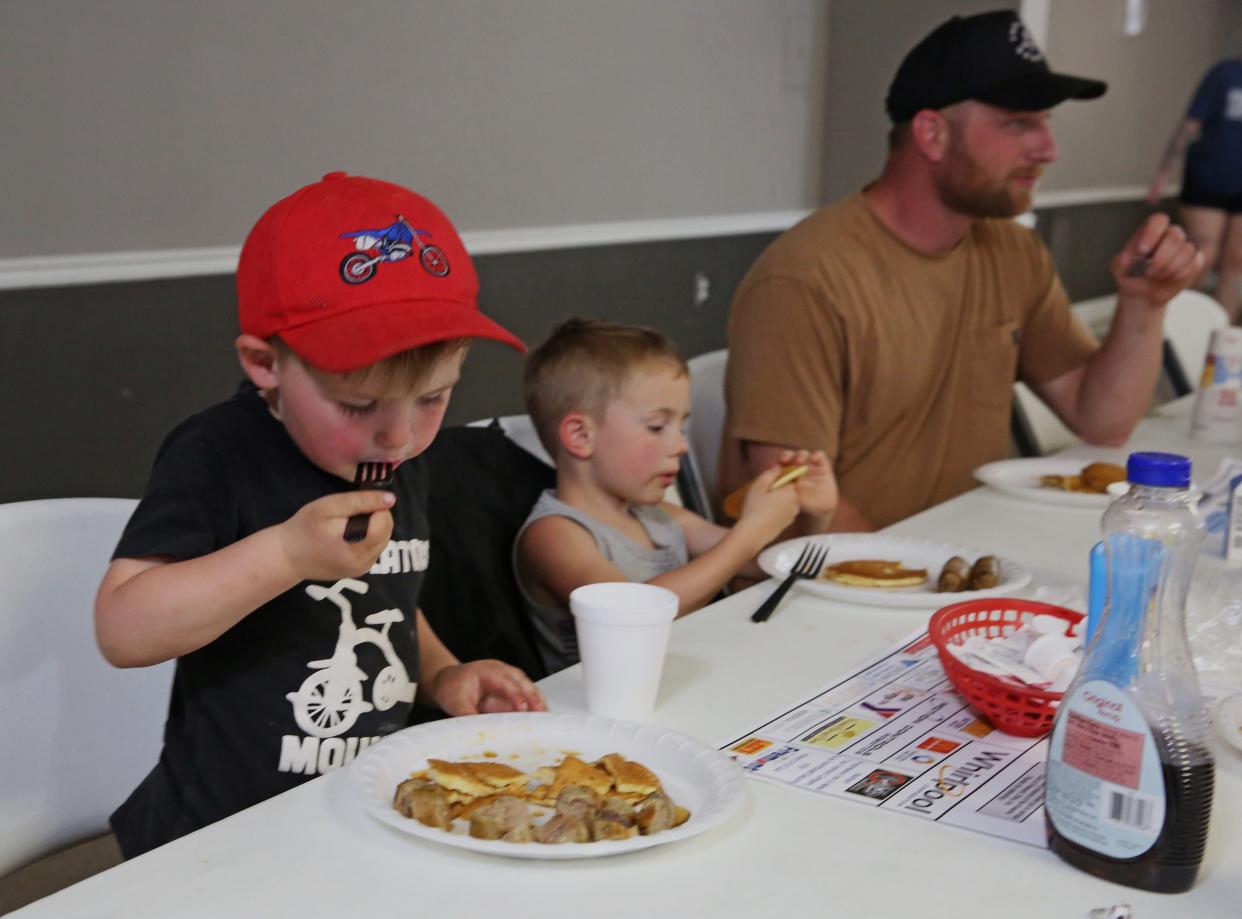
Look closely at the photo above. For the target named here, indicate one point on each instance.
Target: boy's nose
(396, 431)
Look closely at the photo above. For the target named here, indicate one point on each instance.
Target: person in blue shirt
(1210, 136)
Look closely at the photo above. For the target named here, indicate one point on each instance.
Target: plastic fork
(1139, 267)
(367, 475)
(808, 565)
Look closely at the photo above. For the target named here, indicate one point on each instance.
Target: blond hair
(582, 367)
(403, 372)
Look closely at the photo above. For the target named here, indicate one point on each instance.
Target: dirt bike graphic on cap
(390, 244)
(329, 702)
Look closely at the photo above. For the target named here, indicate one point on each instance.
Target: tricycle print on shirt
(337, 690)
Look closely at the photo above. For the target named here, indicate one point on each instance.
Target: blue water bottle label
(1105, 788)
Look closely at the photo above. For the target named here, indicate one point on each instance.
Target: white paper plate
(1020, 477)
(913, 553)
(695, 776)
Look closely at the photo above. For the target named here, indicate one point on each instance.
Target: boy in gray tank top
(609, 403)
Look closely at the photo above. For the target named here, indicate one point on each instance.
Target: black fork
(367, 475)
(808, 565)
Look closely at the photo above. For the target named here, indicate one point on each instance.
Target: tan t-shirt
(898, 364)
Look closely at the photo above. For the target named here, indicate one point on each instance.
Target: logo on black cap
(1024, 43)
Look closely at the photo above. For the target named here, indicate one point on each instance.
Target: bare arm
(556, 555)
(1102, 400)
(152, 610)
(1182, 137)
(433, 655)
(476, 686)
(717, 554)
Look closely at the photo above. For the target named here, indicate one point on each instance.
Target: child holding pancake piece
(609, 403)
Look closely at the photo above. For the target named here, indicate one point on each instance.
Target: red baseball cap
(350, 270)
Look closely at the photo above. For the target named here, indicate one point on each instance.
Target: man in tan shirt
(888, 329)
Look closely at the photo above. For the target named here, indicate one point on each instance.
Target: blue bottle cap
(1166, 470)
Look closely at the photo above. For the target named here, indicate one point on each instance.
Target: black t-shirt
(305, 682)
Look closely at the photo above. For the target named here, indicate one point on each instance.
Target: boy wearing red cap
(296, 648)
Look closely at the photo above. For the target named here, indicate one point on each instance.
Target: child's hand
(485, 686)
(314, 538)
(766, 512)
(817, 490)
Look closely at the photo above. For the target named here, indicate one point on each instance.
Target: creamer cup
(1217, 414)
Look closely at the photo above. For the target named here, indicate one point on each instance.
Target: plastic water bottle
(1130, 765)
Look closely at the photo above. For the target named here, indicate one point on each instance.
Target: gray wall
(95, 376)
(1118, 139)
(156, 124)
(137, 124)
(1110, 142)
(866, 41)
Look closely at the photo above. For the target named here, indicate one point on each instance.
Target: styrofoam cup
(623, 631)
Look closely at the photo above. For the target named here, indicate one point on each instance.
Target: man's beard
(964, 187)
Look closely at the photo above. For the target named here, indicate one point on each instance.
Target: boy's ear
(258, 360)
(577, 433)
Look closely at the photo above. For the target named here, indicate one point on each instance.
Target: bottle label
(1105, 788)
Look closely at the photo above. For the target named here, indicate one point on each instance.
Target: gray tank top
(554, 627)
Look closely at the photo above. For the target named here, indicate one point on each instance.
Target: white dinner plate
(1020, 478)
(777, 559)
(701, 779)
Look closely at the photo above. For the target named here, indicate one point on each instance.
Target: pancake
(732, 504)
(573, 771)
(872, 572)
(628, 776)
(475, 779)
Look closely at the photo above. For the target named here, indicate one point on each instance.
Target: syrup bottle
(1130, 768)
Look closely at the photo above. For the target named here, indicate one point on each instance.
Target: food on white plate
(732, 504)
(984, 573)
(873, 572)
(958, 574)
(474, 780)
(953, 576)
(1093, 479)
(611, 798)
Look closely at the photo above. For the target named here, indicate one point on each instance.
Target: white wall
(867, 39)
(1107, 145)
(159, 124)
(1117, 140)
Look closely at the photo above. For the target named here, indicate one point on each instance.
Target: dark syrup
(1172, 863)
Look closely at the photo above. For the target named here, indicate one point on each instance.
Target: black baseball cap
(990, 57)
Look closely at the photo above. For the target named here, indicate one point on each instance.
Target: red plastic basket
(1008, 706)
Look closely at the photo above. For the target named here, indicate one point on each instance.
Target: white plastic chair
(521, 430)
(707, 412)
(79, 734)
(1042, 432)
(1188, 323)
(1097, 313)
